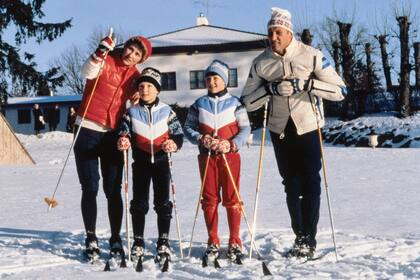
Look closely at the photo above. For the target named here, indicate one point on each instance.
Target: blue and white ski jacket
(148, 126)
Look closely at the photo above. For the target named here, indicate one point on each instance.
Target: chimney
(202, 20)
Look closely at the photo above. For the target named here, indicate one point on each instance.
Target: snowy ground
(374, 196)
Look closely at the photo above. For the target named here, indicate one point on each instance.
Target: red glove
(223, 147)
(169, 146)
(123, 143)
(106, 45)
(206, 141)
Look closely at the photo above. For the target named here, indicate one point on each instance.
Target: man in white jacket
(294, 78)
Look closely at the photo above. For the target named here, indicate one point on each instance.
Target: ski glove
(106, 45)
(206, 141)
(289, 87)
(169, 146)
(223, 147)
(123, 143)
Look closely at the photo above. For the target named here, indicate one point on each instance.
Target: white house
(181, 56)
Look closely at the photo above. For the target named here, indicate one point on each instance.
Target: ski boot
(234, 253)
(211, 255)
(163, 256)
(92, 249)
(116, 254)
(307, 252)
(137, 253)
(297, 247)
(116, 247)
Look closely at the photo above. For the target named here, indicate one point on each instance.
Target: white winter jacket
(302, 62)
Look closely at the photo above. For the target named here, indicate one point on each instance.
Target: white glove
(289, 87)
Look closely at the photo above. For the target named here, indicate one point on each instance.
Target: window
(197, 79)
(24, 116)
(168, 81)
(233, 78)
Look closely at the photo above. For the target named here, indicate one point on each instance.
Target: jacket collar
(219, 94)
(150, 105)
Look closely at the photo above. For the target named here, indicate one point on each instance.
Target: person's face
(72, 110)
(215, 83)
(148, 92)
(132, 55)
(279, 39)
(36, 106)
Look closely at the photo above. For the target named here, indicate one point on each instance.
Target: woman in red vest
(97, 139)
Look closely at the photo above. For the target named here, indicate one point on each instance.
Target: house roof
(204, 35)
(43, 99)
(207, 38)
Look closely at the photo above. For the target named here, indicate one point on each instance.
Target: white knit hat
(280, 18)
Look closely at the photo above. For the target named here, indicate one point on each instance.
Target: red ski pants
(218, 181)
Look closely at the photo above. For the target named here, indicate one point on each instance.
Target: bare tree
(416, 46)
(383, 42)
(404, 25)
(71, 60)
(70, 64)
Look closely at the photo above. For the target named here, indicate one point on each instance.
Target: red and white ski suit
(222, 115)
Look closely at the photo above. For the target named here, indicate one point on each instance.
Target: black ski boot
(211, 255)
(137, 253)
(116, 247)
(92, 249)
(307, 252)
(297, 247)
(116, 254)
(163, 254)
(234, 253)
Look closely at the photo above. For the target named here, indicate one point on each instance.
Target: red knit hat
(143, 43)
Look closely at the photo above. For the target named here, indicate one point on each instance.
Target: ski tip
(107, 266)
(204, 262)
(123, 262)
(266, 271)
(139, 266)
(216, 264)
(165, 266)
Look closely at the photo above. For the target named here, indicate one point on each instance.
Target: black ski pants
(145, 172)
(299, 163)
(91, 148)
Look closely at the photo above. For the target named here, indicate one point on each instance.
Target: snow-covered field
(374, 195)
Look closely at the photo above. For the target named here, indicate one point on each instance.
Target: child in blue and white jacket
(154, 132)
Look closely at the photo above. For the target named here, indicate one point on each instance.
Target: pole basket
(51, 202)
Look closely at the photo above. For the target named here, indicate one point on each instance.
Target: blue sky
(132, 17)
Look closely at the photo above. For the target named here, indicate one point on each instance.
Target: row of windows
(197, 79)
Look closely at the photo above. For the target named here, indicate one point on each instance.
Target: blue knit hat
(219, 68)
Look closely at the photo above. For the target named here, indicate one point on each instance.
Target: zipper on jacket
(152, 156)
(288, 98)
(216, 102)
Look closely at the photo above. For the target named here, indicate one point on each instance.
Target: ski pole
(324, 172)
(174, 202)
(265, 268)
(127, 222)
(52, 202)
(200, 197)
(257, 191)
